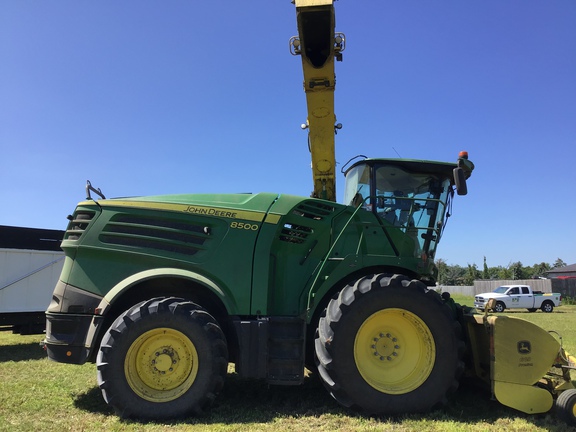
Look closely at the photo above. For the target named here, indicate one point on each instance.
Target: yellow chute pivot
(318, 45)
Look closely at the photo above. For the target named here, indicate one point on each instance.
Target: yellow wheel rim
(394, 351)
(161, 365)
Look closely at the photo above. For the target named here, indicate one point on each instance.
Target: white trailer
(30, 264)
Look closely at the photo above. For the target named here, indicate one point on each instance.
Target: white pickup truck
(518, 296)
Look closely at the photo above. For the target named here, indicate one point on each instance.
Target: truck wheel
(387, 345)
(566, 406)
(161, 359)
(532, 310)
(547, 307)
(499, 307)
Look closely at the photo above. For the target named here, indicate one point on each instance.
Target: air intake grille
(313, 210)
(77, 225)
(295, 233)
(302, 219)
(153, 233)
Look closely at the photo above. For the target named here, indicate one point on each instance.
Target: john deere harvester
(162, 292)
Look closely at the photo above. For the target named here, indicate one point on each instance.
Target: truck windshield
(412, 202)
(501, 290)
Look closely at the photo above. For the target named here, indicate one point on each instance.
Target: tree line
(459, 275)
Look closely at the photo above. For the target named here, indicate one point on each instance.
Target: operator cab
(407, 195)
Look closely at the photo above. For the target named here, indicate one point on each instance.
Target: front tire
(387, 345)
(163, 358)
(499, 307)
(566, 406)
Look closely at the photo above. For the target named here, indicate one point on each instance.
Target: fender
(120, 288)
(223, 294)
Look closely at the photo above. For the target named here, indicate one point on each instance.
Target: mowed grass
(39, 395)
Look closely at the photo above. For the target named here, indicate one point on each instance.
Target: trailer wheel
(387, 345)
(499, 307)
(547, 306)
(566, 406)
(163, 358)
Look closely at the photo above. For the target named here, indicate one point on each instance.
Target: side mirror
(460, 181)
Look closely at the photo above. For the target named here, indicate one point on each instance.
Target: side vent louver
(77, 225)
(298, 228)
(295, 233)
(155, 233)
(313, 210)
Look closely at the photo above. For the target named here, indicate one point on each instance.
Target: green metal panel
(299, 243)
(213, 236)
(262, 254)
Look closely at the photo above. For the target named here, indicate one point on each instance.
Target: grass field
(39, 395)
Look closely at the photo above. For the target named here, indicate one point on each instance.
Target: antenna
(396, 152)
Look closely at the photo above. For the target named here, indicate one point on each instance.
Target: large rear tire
(163, 358)
(388, 345)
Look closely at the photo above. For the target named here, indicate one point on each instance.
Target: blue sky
(149, 97)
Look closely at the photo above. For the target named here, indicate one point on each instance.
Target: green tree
(458, 275)
(493, 272)
(485, 271)
(472, 273)
(442, 270)
(539, 270)
(518, 271)
(504, 273)
(450, 274)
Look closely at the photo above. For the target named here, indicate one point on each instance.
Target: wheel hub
(385, 347)
(164, 361)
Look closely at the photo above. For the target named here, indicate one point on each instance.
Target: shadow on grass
(251, 401)
(243, 401)
(526, 312)
(248, 401)
(93, 402)
(21, 352)
(472, 404)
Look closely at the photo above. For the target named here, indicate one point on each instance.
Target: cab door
(525, 298)
(515, 297)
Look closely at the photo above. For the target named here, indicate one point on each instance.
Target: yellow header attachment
(318, 44)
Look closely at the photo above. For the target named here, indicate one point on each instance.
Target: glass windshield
(501, 290)
(412, 202)
(357, 185)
